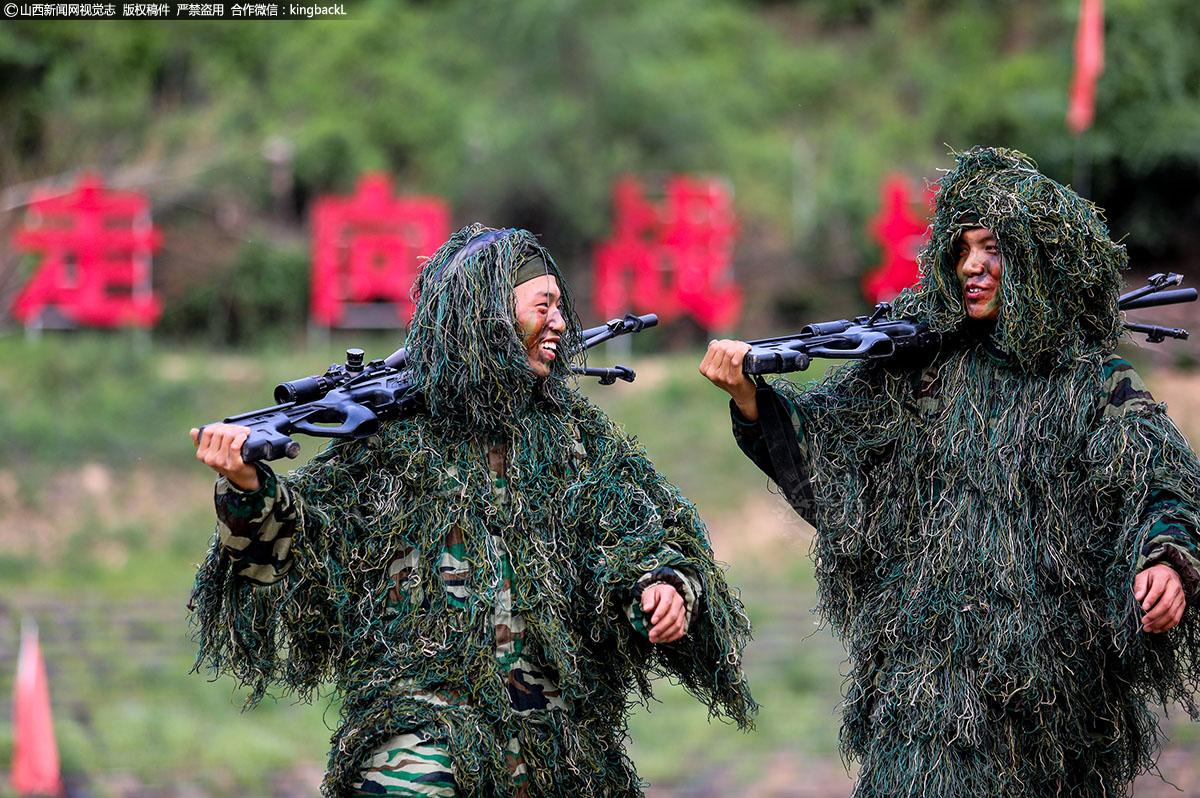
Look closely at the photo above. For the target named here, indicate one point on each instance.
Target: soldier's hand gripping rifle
(877, 336)
(351, 400)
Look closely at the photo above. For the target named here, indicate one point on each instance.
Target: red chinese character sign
(367, 249)
(672, 258)
(94, 249)
(900, 230)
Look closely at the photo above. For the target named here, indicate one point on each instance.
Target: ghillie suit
(981, 518)
(468, 578)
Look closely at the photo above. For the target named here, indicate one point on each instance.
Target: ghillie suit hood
(464, 346)
(1062, 271)
(981, 519)
(386, 560)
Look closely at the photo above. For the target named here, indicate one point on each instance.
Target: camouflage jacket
(979, 530)
(486, 589)
(256, 530)
(1171, 539)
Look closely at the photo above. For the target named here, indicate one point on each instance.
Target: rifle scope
(308, 389)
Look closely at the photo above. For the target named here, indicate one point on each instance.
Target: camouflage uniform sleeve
(679, 576)
(752, 441)
(1171, 543)
(749, 437)
(749, 434)
(1170, 540)
(255, 528)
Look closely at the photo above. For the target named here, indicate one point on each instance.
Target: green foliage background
(522, 113)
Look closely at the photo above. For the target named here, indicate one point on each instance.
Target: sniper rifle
(352, 400)
(877, 336)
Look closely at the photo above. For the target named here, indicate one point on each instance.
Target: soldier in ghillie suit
(1005, 534)
(486, 583)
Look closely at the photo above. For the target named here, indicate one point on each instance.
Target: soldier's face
(980, 266)
(540, 321)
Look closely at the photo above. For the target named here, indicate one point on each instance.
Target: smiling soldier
(486, 583)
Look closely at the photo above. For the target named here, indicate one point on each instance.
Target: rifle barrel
(1159, 298)
(593, 336)
(1155, 334)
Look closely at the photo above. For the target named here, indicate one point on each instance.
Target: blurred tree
(523, 113)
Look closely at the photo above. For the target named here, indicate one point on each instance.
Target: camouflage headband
(534, 266)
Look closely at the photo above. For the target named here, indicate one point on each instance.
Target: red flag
(35, 752)
(1089, 63)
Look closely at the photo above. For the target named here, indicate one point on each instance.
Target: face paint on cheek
(993, 304)
(530, 333)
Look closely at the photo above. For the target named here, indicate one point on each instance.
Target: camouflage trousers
(418, 765)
